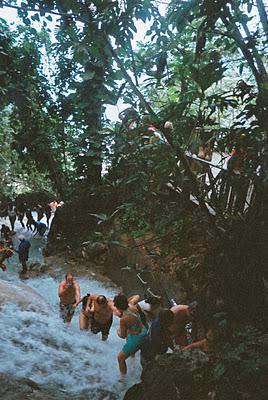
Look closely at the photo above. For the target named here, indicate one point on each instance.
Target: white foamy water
(42, 348)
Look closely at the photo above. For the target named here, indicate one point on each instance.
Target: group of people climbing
(21, 211)
(144, 324)
(151, 133)
(203, 139)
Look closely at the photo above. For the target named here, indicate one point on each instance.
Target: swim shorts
(67, 311)
(97, 327)
(134, 342)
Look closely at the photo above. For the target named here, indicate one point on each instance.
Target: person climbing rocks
(40, 228)
(30, 220)
(129, 118)
(98, 315)
(5, 231)
(21, 209)
(5, 252)
(148, 308)
(236, 161)
(159, 337)
(183, 314)
(207, 344)
(69, 294)
(85, 313)
(130, 328)
(48, 213)
(40, 212)
(153, 135)
(53, 205)
(23, 252)
(12, 215)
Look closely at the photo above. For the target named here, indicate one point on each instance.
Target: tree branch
(129, 80)
(250, 39)
(133, 63)
(236, 35)
(263, 16)
(41, 10)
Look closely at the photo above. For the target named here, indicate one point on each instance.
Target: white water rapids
(42, 348)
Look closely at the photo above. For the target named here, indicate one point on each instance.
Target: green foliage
(17, 177)
(25, 87)
(243, 365)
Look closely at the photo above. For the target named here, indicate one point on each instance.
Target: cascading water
(39, 346)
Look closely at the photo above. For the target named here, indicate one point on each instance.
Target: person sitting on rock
(69, 294)
(97, 314)
(130, 328)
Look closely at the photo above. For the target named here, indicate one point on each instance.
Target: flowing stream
(39, 346)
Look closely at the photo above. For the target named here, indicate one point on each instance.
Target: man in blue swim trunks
(130, 328)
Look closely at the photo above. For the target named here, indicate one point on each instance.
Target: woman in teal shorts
(131, 328)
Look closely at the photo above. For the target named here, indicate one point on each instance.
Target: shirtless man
(69, 294)
(183, 314)
(97, 313)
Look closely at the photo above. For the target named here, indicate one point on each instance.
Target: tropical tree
(25, 88)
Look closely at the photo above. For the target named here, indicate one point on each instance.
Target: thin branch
(263, 16)
(236, 35)
(133, 63)
(128, 79)
(41, 10)
(251, 44)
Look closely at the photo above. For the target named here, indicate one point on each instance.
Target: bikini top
(137, 325)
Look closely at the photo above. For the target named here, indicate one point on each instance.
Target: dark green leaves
(219, 371)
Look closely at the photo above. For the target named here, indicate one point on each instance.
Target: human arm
(88, 306)
(202, 345)
(62, 288)
(77, 294)
(122, 330)
(134, 299)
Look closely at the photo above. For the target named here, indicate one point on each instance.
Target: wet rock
(23, 296)
(25, 389)
(173, 376)
(36, 268)
(94, 250)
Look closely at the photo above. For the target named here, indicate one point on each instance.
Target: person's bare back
(103, 311)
